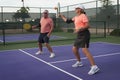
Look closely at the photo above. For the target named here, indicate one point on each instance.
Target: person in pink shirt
(83, 36)
(46, 26)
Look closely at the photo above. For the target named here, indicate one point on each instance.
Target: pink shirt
(46, 24)
(80, 21)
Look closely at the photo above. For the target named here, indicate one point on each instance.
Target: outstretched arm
(65, 19)
(35, 26)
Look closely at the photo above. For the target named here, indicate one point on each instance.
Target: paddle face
(27, 26)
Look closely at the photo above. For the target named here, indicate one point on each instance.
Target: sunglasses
(45, 13)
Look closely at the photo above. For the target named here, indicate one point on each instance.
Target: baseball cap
(45, 11)
(80, 6)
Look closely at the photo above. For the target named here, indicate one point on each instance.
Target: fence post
(3, 29)
(105, 29)
(118, 15)
(96, 15)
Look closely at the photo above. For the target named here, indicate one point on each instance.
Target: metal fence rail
(9, 24)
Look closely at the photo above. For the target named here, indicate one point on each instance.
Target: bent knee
(39, 43)
(84, 49)
(74, 48)
(46, 44)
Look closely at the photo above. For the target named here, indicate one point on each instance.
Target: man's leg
(40, 48)
(50, 50)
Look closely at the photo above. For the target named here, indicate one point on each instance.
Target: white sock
(94, 66)
(52, 53)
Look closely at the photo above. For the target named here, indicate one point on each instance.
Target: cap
(80, 6)
(45, 11)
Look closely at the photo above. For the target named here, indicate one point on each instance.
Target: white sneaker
(93, 70)
(77, 64)
(39, 52)
(52, 55)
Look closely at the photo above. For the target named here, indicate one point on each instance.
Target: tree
(107, 10)
(22, 13)
(107, 13)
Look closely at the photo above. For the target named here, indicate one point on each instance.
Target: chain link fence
(102, 20)
(102, 16)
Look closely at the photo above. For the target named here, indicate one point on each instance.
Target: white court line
(63, 45)
(45, 47)
(78, 78)
(98, 56)
(36, 48)
(58, 36)
(109, 43)
(1, 40)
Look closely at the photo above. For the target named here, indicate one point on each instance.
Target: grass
(68, 40)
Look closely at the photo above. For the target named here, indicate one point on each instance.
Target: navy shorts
(43, 38)
(82, 40)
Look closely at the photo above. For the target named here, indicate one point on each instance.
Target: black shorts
(43, 38)
(82, 40)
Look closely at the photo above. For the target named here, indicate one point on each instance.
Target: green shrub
(57, 30)
(70, 30)
(115, 32)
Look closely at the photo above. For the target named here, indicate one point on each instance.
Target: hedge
(115, 32)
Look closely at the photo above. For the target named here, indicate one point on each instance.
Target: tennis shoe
(93, 70)
(52, 55)
(39, 52)
(77, 64)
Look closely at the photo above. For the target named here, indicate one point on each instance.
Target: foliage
(22, 13)
(115, 32)
(106, 2)
(57, 29)
(70, 30)
(107, 11)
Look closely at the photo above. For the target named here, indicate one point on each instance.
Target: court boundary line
(98, 56)
(34, 48)
(20, 35)
(72, 75)
(59, 36)
(63, 45)
(109, 43)
(1, 40)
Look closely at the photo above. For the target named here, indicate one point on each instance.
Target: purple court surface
(25, 37)
(23, 64)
